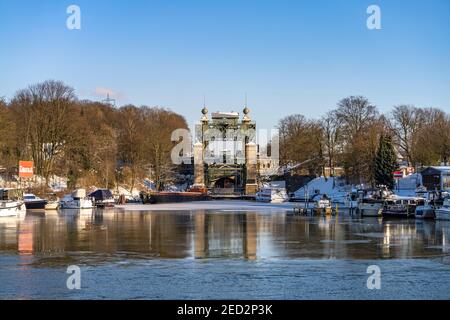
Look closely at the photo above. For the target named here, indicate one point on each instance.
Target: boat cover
(101, 194)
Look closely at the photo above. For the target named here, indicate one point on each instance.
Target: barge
(172, 197)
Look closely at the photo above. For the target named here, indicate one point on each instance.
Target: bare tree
(42, 112)
(131, 142)
(159, 124)
(355, 113)
(433, 142)
(301, 140)
(332, 138)
(356, 116)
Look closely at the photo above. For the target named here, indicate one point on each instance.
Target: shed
(101, 194)
(436, 178)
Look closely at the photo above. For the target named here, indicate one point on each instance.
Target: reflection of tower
(200, 242)
(250, 230)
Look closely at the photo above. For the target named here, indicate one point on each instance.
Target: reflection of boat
(34, 202)
(443, 212)
(11, 202)
(86, 212)
(401, 207)
(103, 198)
(273, 195)
(76, 200)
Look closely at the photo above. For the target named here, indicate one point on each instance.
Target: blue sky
(288, 56)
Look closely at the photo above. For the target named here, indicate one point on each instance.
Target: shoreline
(231, 205)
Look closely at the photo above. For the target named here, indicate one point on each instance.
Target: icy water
(221, 254)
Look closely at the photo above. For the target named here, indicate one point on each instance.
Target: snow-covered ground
(332, 187)
(336, 188)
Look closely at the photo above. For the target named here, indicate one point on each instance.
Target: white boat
(272, 195)
(370, 203)
(425, 208)
(11, 202)
(322, 203)
(443, 212)
(345, 201)
(52, 205)
(52, 202)
(77, 200)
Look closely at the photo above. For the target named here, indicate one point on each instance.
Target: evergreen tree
(385, 162)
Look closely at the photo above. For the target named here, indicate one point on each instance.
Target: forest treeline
(93, 143)
(90, 143)
(349, 136)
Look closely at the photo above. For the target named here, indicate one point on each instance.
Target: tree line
(90, 143)
(96, 144)
(351, 135)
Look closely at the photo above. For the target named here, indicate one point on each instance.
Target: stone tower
(225, 153)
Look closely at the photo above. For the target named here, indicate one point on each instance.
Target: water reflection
(95, 236)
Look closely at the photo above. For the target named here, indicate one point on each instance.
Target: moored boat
(322, 203)
(52, 205)
(52, 202)
(33, 202)
(103, 198)
(400, 207)
(425, 211)
(426, 207)
(346, 201)
(443, 212)
(11, 202)
(172, 197)
(371, 201)
(76, 200)
(272, 195)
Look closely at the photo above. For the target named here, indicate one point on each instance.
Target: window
(446, 182)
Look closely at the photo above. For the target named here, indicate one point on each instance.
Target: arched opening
(225, 183)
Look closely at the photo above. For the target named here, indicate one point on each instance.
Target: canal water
(222, 254)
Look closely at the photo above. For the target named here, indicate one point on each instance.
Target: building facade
(225, 153)
(436, 178)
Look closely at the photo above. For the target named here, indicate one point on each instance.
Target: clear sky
(288, 56)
